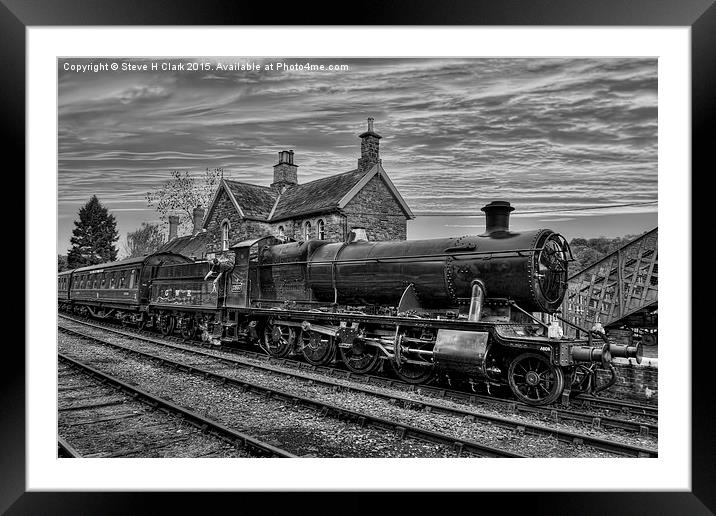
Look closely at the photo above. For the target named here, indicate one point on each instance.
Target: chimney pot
(198, 219)
(369, 148)
(173, 226)
(285, 172)
(497, 216)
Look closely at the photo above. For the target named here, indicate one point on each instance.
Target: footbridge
(620, 290)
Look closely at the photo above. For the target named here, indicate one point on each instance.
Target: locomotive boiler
(528, 268)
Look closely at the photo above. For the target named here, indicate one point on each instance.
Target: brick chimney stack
(173, 227)
(285, 173)
(198, 214)
(369, 148)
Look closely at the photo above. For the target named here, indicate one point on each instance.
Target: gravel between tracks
(448, 424)
(299, 430)
(131, 428)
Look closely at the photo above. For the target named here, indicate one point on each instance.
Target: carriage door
(237, 289)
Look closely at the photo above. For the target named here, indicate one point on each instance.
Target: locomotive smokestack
(497, 216)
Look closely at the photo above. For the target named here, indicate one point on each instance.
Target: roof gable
(254, 201)
(251, 201)
(380, 172)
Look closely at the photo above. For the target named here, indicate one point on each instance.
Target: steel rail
(238, 438)
(534, 429)
(402, 430)
(555, 413)
(621, 405)
(66, 449)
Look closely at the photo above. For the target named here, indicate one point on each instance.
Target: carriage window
(132, 278)
(121, 279)
(112, 281)
(307, 230)
(102, 281)
(225, 235)
(321, 229)
(94, 282)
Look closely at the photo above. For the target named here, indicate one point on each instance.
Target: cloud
(542, 133)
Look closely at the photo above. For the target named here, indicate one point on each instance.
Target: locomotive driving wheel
(535, 380)
(279, 340)
(411, 366)
(360, 357)
(317, 349)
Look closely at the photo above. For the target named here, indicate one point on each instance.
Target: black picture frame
(700, 15)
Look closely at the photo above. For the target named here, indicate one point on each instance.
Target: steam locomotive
(460, 309)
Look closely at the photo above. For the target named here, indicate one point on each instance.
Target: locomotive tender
(458, 308)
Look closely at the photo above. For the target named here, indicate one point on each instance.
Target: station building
(327, 209)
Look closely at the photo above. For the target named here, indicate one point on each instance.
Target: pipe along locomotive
(460, 309)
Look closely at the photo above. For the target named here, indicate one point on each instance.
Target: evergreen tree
(62, 262)
(93, 237)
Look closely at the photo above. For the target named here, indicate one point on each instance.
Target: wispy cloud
(541, 133)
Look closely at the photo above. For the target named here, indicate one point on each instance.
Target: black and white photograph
(357, 257)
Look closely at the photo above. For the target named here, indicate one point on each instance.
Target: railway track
(360, 420)
(595, 412)
(624, 407)
(520, 427)
(164, 426)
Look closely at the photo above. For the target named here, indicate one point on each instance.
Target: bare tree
(145, 240)
(182, 193)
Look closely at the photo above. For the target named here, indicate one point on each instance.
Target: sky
(549, 135)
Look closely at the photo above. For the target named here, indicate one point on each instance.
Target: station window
(307, 230)
(321, 229)
(225, 235)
